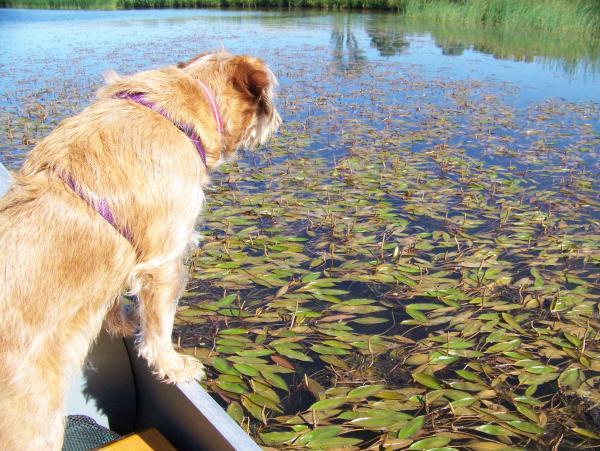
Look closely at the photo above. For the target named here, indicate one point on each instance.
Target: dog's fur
(63, 267)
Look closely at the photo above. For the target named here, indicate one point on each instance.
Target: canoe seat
(82, 434)
(147, 440)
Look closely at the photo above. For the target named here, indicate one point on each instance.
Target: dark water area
(424, 228)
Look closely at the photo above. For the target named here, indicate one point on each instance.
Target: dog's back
(57, 273)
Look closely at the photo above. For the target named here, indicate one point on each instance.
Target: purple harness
(101, 205)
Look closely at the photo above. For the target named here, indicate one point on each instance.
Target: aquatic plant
(577, 15)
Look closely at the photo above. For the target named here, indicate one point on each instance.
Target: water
(94, 41)
(61, 55)
(416, 163)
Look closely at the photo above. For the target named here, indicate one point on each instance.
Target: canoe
(116, 391)
(5, 179)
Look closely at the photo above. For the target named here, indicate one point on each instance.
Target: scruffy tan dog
(106, 203)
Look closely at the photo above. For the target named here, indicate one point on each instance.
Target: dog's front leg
(157, 299)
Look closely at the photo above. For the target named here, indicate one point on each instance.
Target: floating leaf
(232, 387)
(505, 346)
(525, 426)
(246, 370)
(429, 443)
(319, 433)
(326, 404)
(428, 381)
(493, 429)
(235, 411)
(364, 391)
(333, 442)
(275, 438)
(412, 427)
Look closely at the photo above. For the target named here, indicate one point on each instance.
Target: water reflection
(389, 43)
(347, 52)
(568, 52)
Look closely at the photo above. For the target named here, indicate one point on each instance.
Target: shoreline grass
(582, 16)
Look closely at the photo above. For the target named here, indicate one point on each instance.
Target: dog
(107, 204)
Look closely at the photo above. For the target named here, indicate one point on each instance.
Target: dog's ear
(252, 79)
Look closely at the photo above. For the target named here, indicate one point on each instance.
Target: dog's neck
(189, 131)
(185, 128)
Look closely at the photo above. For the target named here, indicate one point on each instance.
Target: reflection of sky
(37, 43)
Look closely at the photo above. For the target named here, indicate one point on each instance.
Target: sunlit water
(42, 44)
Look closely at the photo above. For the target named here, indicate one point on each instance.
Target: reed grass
(581, 16)
(548, 15)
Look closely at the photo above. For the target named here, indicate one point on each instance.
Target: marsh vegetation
(413, 263)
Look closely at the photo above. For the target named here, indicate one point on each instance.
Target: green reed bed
(551, 15)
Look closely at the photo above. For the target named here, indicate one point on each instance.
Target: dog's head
(244, 88)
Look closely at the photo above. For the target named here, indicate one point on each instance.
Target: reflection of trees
(451, 49)
(388, 42)
(347, 55)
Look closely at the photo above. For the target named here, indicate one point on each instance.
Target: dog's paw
(179, 368)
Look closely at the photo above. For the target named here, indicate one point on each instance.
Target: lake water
(426, 220)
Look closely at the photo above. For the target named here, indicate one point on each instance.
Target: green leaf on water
(232, 387)
(275, 380)
(570, 377)
(246, 370)
(333, 442)
(311, 276)
(427, 380)
(233, 332)
(320, 349)
(431, 442)
(275, 438)
(442, 359)
(470, 376)
(416, 314)
(541, 369)
(292, 354)
(505, 346)
(326, 404)
(493, 429)
(586, 433)
(235, 411)
(221, 365)
(319, 433)
(525, 426)
(412, 427)
(369, 320)
(364, 392)
(255, 410)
